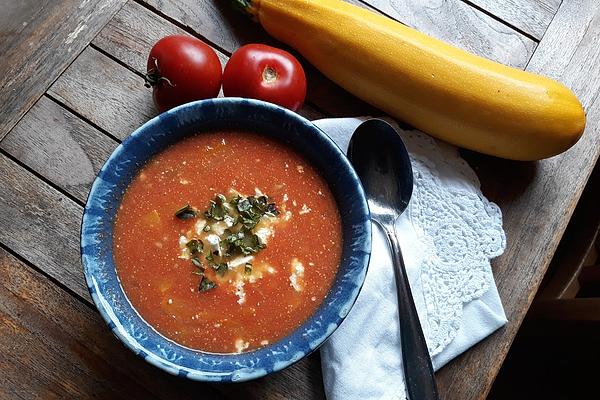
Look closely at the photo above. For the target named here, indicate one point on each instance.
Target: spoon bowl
(383, 165)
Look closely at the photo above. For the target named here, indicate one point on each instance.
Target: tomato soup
(227, 241)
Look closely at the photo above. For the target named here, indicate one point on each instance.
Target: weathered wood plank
(41, 225)
(55, 347)
(132, 32)
(97, 87)
(38, 40)
(530, 16)
(460, 24)
(59, 146)
(450, 20)
(537, 199)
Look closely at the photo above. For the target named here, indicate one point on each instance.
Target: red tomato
(182, 69)
(265, 73)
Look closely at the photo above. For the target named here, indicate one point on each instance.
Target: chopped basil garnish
(217, 209)
(241, 215)
(195, 246)
(186, 212)
(206, 284)
(197, 263)
(222, 269)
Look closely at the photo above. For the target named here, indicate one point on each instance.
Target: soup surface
(227, 241)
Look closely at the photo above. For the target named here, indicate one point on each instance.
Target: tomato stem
(153, 77)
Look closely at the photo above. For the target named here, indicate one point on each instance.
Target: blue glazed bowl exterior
(168, 128)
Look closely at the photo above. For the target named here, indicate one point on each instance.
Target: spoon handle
(418, 372)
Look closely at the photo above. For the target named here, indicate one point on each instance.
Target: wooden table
(71, 88)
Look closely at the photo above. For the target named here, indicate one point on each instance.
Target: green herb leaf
(186, 212)
(206, 228)
(272, 210)
(195, 246)
(197, 263)
(217, 209)
(221, 268)
(206, 284)
(248, 269)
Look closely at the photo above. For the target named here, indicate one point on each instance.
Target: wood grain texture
(52, 346)
(59, 146)
(463, 26)
(41, 225)
(96, 87)
(38, 40)
(537, 199)
(530, 16)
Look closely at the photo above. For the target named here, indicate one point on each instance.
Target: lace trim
(461, 231)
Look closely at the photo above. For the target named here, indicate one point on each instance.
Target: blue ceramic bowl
(154, 136)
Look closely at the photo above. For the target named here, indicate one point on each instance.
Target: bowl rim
(105, 307)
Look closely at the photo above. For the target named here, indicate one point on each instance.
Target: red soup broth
(252, 304)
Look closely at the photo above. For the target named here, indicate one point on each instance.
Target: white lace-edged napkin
(448, 235)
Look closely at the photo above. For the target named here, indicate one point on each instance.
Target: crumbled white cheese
(287, 215)
(199, 226)
(229, 220)
(312, 264)
(184, 181)
(294, 203)
(285, 197)
(223, 142)
(185, 252)
(241, 345)
(170, 301)
(218, 227)
(270, 269)
(264, 233)
(264, 342)
(296, 278)
(214, 243)
(305, 209)
(236, 262)
(300, 168)
(239, 291)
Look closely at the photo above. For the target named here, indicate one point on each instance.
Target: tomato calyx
(269, 75)
(153, 77)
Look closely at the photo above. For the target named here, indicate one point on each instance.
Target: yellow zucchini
(449, 93)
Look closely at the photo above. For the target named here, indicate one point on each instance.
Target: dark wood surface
(63, 112)
(38, 40)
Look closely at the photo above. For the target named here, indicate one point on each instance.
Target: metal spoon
(383, 165)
